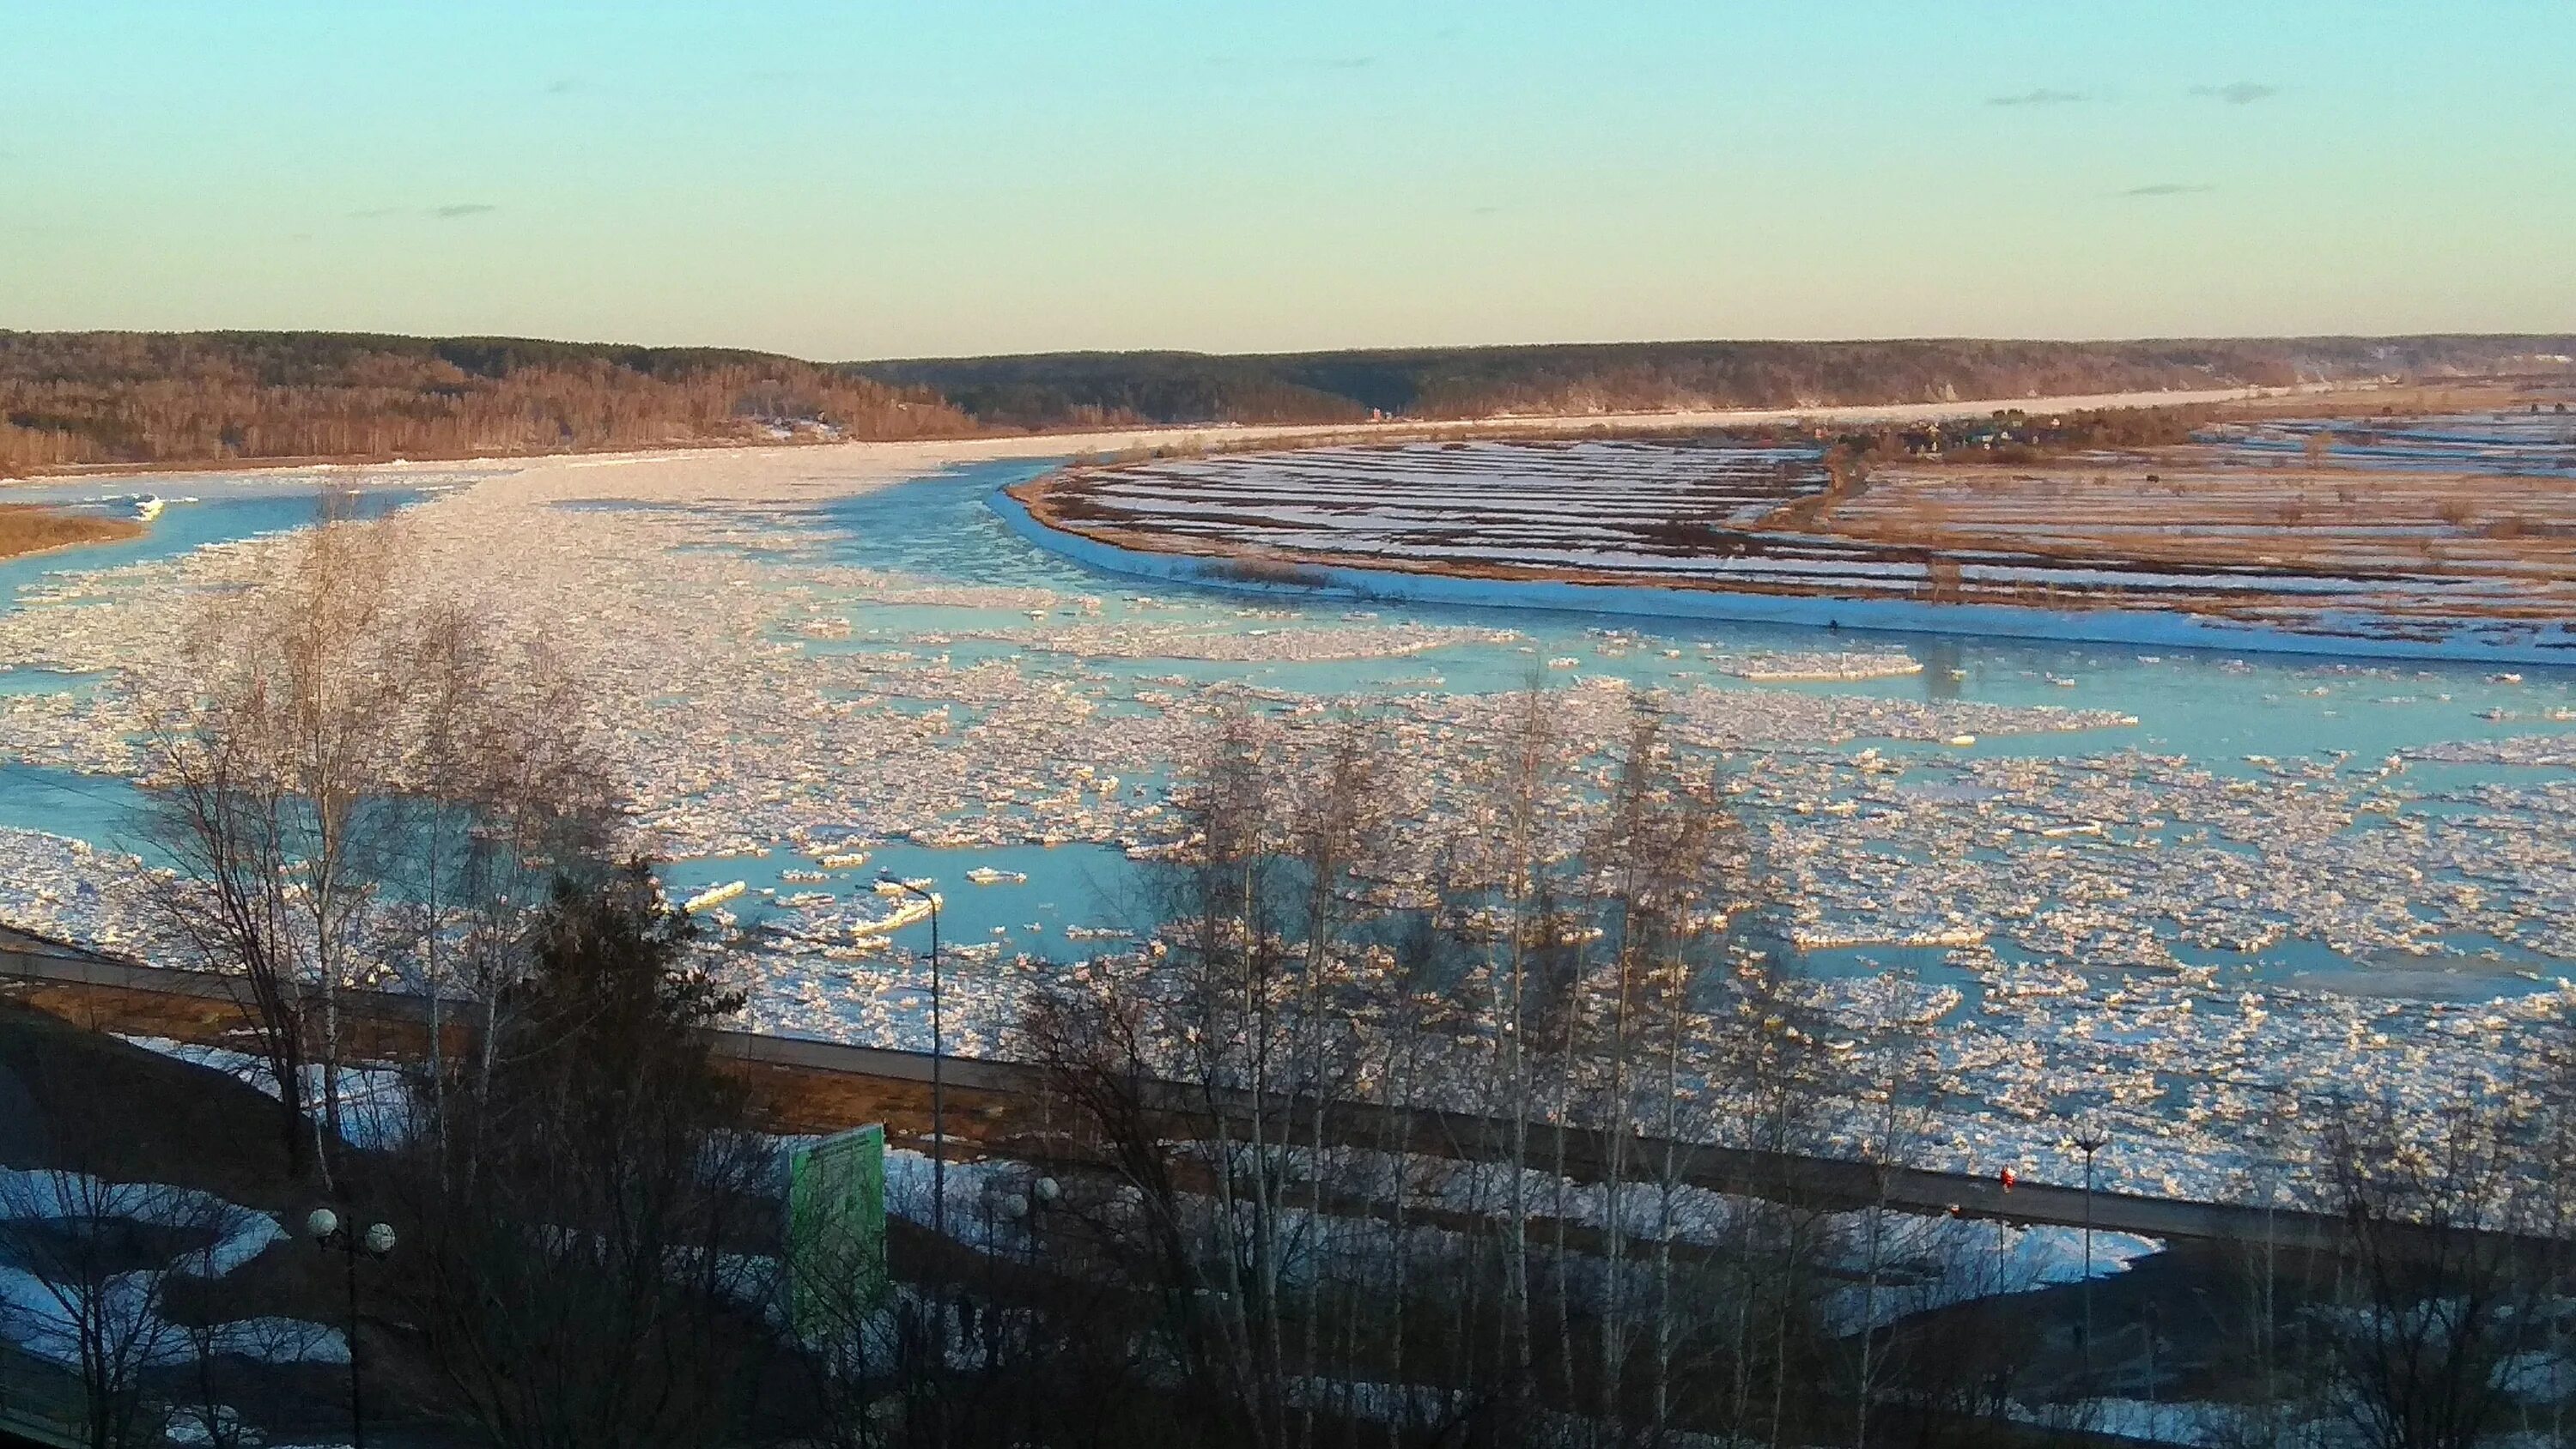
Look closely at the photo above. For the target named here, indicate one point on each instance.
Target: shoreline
(968, 447)
(111, 531)
(2162, 629)
(801, 752)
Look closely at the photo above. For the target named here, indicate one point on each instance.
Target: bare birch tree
(2443, 1290)
(271, 760)
(354, 791)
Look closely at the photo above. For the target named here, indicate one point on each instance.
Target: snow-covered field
(2416, 534)
(48, 1305)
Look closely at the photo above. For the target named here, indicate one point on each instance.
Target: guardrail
(41, 1402)
(1587, 1153)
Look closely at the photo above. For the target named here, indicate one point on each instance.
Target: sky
(845, 179)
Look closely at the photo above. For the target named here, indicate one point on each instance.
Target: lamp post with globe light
(938, 1115)
(377, 1241)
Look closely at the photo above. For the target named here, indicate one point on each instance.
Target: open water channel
(2392, 845)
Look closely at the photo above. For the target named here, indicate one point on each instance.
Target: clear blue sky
(848, 179)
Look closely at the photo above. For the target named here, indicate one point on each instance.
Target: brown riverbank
(28, 529)
(2269, 535)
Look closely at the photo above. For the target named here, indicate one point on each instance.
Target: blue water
(97, 808)
(2212, 707)
(109, 812)
(1083, 886)
(183, 527)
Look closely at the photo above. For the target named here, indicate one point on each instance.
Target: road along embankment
(1001, 1109)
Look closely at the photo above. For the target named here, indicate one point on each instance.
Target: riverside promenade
(805, 1085)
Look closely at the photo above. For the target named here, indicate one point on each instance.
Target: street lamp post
(327, 1231)
(938, 1105)
(2093, 1140)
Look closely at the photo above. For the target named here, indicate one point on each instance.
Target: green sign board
(836, 1231)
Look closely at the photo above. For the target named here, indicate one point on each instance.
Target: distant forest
(1112, 388)
(74, 398)
(130, 397)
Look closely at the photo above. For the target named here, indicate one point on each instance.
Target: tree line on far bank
(91, 398)
(1453, 383)
(70, 399)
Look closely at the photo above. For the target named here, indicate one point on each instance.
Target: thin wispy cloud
(2170, 188)
(451, 212)
(2040, 97)
(2237, 93)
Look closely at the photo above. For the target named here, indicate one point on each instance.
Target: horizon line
(2568, 335)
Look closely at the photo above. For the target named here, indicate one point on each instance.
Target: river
(2328, 871)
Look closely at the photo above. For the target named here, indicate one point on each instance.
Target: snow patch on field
(2350, 634)
(47, 1318)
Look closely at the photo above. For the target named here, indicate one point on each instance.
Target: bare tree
(503, 792)
(272, 757)
(1891, 1078)
(2443, 1289)
(1529, 977)
(356, 790)
(96, 1259)
(1292, 983)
